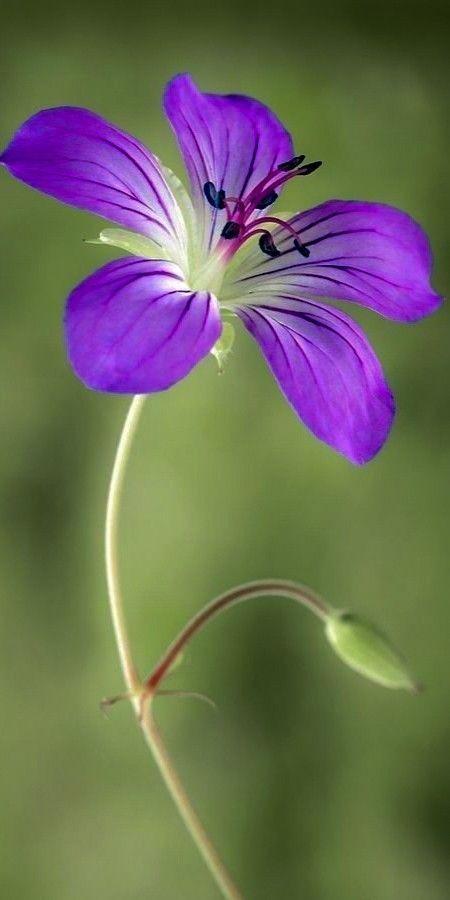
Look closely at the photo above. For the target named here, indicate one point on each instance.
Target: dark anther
(291, 164)
(267, 245)
(267, 200)
(310, 167)
(214, 197)
(231, 230)
(302, 249)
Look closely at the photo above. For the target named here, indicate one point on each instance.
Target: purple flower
(141, 323)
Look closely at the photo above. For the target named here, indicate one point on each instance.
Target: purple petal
(327, 371)
(231, 140)
(368, 253)
(79, 158)
(134, 327)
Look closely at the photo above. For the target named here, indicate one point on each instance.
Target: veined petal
(232, 140)
(326, 370)
(134, 326)
(367, 253)
(79, 158)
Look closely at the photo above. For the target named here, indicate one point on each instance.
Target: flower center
(242, 224)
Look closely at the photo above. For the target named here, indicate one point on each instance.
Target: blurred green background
(314, 784)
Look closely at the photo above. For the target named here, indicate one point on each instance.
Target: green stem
(137, 694)
(192, 822)
(129, 670)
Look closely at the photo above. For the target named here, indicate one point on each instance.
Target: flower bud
(366, 650)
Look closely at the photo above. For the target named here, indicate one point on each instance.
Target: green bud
(222, 347)
(133, 243)
(366, 650)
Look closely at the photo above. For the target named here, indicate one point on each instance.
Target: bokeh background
(313, 783)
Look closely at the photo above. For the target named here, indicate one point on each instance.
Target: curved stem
(129, 670)
(140, 699)
(264, 588)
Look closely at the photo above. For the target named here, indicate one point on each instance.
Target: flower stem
(193, 824)
(129, 670)
(139, 696)
(268, 587)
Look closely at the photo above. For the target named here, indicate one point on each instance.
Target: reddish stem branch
(253, 589)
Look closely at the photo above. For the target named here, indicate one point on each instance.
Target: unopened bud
(366, 650)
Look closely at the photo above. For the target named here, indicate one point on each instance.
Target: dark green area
(314, 784)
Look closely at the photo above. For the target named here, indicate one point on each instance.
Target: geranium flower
(141, 323)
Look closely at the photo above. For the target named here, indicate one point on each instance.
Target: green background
(314, 784)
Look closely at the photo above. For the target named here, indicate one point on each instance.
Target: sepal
(222, 348)
(131, 242)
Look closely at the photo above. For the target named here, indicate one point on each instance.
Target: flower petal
(79, 158)
(327, 371)
(232, 140)
(134, 326)
(368, 253)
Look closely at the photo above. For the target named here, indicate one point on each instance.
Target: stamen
(278, 176)
(275, 221)
(310, 167)
(267, 245)
(231, 230)
(291, 164)
(302, 248)
(267, 200)
(268, 242)
(240, 209)
(214, 197)
(235, 201)
(277, 179)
